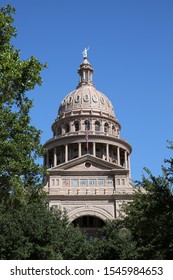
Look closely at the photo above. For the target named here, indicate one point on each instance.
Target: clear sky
(131, 50)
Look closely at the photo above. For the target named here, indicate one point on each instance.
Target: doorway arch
(91, 225)
(90, 220)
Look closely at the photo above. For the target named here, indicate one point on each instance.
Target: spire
(85, 70)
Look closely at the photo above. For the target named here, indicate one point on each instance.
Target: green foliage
(19, 140)
(75, 245)
(169, 170)
(28, 229)
(117, 243)
(6, 29)
(34, 232)
(150, 218)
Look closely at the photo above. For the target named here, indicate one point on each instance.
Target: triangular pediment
(86, 162)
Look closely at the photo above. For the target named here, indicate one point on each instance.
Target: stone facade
(88, 162)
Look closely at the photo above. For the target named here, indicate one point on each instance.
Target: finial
(84, 53)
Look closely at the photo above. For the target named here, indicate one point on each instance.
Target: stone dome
(86, 97)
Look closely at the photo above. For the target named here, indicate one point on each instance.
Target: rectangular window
(110, 183)
(57, 182)
(74, 182)
(83, 182)
(101, 183)
(92, 183)
(66, 183)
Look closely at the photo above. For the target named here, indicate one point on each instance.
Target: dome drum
(98, 125)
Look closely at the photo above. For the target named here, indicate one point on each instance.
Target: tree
(29, 230)
(168, 170)
(117, 243)
(32, 231)
(150, 217)
(19, 140)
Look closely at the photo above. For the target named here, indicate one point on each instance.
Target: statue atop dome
(84, 53)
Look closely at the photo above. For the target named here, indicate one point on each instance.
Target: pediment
(93, 164)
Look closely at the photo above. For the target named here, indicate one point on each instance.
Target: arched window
(87, 125)
(97, 126)
(106, 127)
(77, 98)
(70, 100)
(86, 76)
(59, 130)
(76, 124)
(67, 128)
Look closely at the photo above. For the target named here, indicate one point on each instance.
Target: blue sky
(131, 50)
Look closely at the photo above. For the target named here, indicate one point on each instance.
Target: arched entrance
(91, 225)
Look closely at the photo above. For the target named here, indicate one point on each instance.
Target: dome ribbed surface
(86, 97)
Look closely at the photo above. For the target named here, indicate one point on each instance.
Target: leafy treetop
(19, 140)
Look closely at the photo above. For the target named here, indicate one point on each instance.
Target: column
(118, 155)
(80, 125)
(72, 127)
(54, 158)
(103, 127)
(107, 152)
(66, 153)
(94, 149)
(125, 158)
(79, 150)
(63, 130)
(129, 166)
(47, 159)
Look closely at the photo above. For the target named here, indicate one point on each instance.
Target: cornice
(113, 197)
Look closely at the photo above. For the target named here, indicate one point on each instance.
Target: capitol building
(88, 163)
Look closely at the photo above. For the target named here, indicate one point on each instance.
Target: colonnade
(105, 151)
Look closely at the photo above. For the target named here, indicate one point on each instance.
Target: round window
(86, 98)
(94, 98)
(87, 164)
(102, 100)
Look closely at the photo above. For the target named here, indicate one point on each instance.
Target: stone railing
(89, 191)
